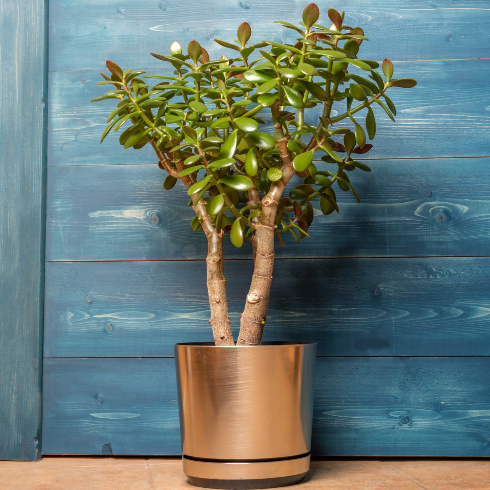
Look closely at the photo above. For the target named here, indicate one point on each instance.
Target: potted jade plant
(246, 408)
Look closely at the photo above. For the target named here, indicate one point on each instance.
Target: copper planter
(245, 413)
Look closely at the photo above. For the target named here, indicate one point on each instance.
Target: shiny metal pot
(245, 413)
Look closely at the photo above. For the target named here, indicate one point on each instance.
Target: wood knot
(253, 298)
(217, 299)
(214, 257)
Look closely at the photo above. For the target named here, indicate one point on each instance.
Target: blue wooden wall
(395, 290)
(23, 116)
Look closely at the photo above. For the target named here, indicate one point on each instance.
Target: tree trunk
(220, 322)
(253, 317)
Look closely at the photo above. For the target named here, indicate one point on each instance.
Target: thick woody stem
(220, 322)
(254, 315)
(164, 160)
(254, 200)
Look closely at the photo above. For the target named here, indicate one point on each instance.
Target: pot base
(282, 481)
(246, 475)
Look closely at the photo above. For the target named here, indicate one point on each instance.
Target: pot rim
(273, 343)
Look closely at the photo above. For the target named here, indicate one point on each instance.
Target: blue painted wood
(359, 307)
(392, 406)
(408, 207)
(84, 34)
(22, 215)
(443, 116)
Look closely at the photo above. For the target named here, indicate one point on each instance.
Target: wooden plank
(393, 406)
(22, 216)
(359, 307)
(410, 207)
(442, 116)
(84, 34)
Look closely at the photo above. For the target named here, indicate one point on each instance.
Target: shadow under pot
(245, 413)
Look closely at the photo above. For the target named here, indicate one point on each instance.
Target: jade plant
(209, 125)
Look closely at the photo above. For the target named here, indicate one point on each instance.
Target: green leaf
(194, 50)
(363, 81)
(352, 46)
(190, 170)
(310, 15)
(330, 53)
(289, 26)
(385, 108)
(251, 165)
(246, 123)
(314, 89)
(213, 139)
(327, 205)
(196, 224)
(267, 86)
(387, 69)
(241, 103)
(169, 182)
(122, 120)
(236, 233)
(221, 163)
(302, 161)
(133, 140)
(349, 185)
(284, 47)
(106, 131)
(289, 73)
(293, 97)
(307, 69)
(191, 133)
(116, 111)
(403, 82)
(227, 45)
(229, 146)
(243, 33)
(330, 152)
(390, 104)
(359, 64)
(261, 140)
(257, 76)
(104, 97)
(377, 78)
(214, 205)
(293, 146)
(370, 123)
(266, 100)
(336, 18)
(357, 92)
(220, 123)
(198, 185)
(198, 107)
(274, 174)
(192, 159)
(338, 66)
(237, 182)
(349, 142)
(360, 165)
(359, 132)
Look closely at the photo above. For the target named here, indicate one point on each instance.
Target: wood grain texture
(84, 34)
(22, 215)
(409, 207)
(444, 115)
(360, 307)
(423, 406)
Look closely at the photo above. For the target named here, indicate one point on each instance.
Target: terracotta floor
(86, 473)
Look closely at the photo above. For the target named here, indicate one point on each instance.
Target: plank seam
(315, 160)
